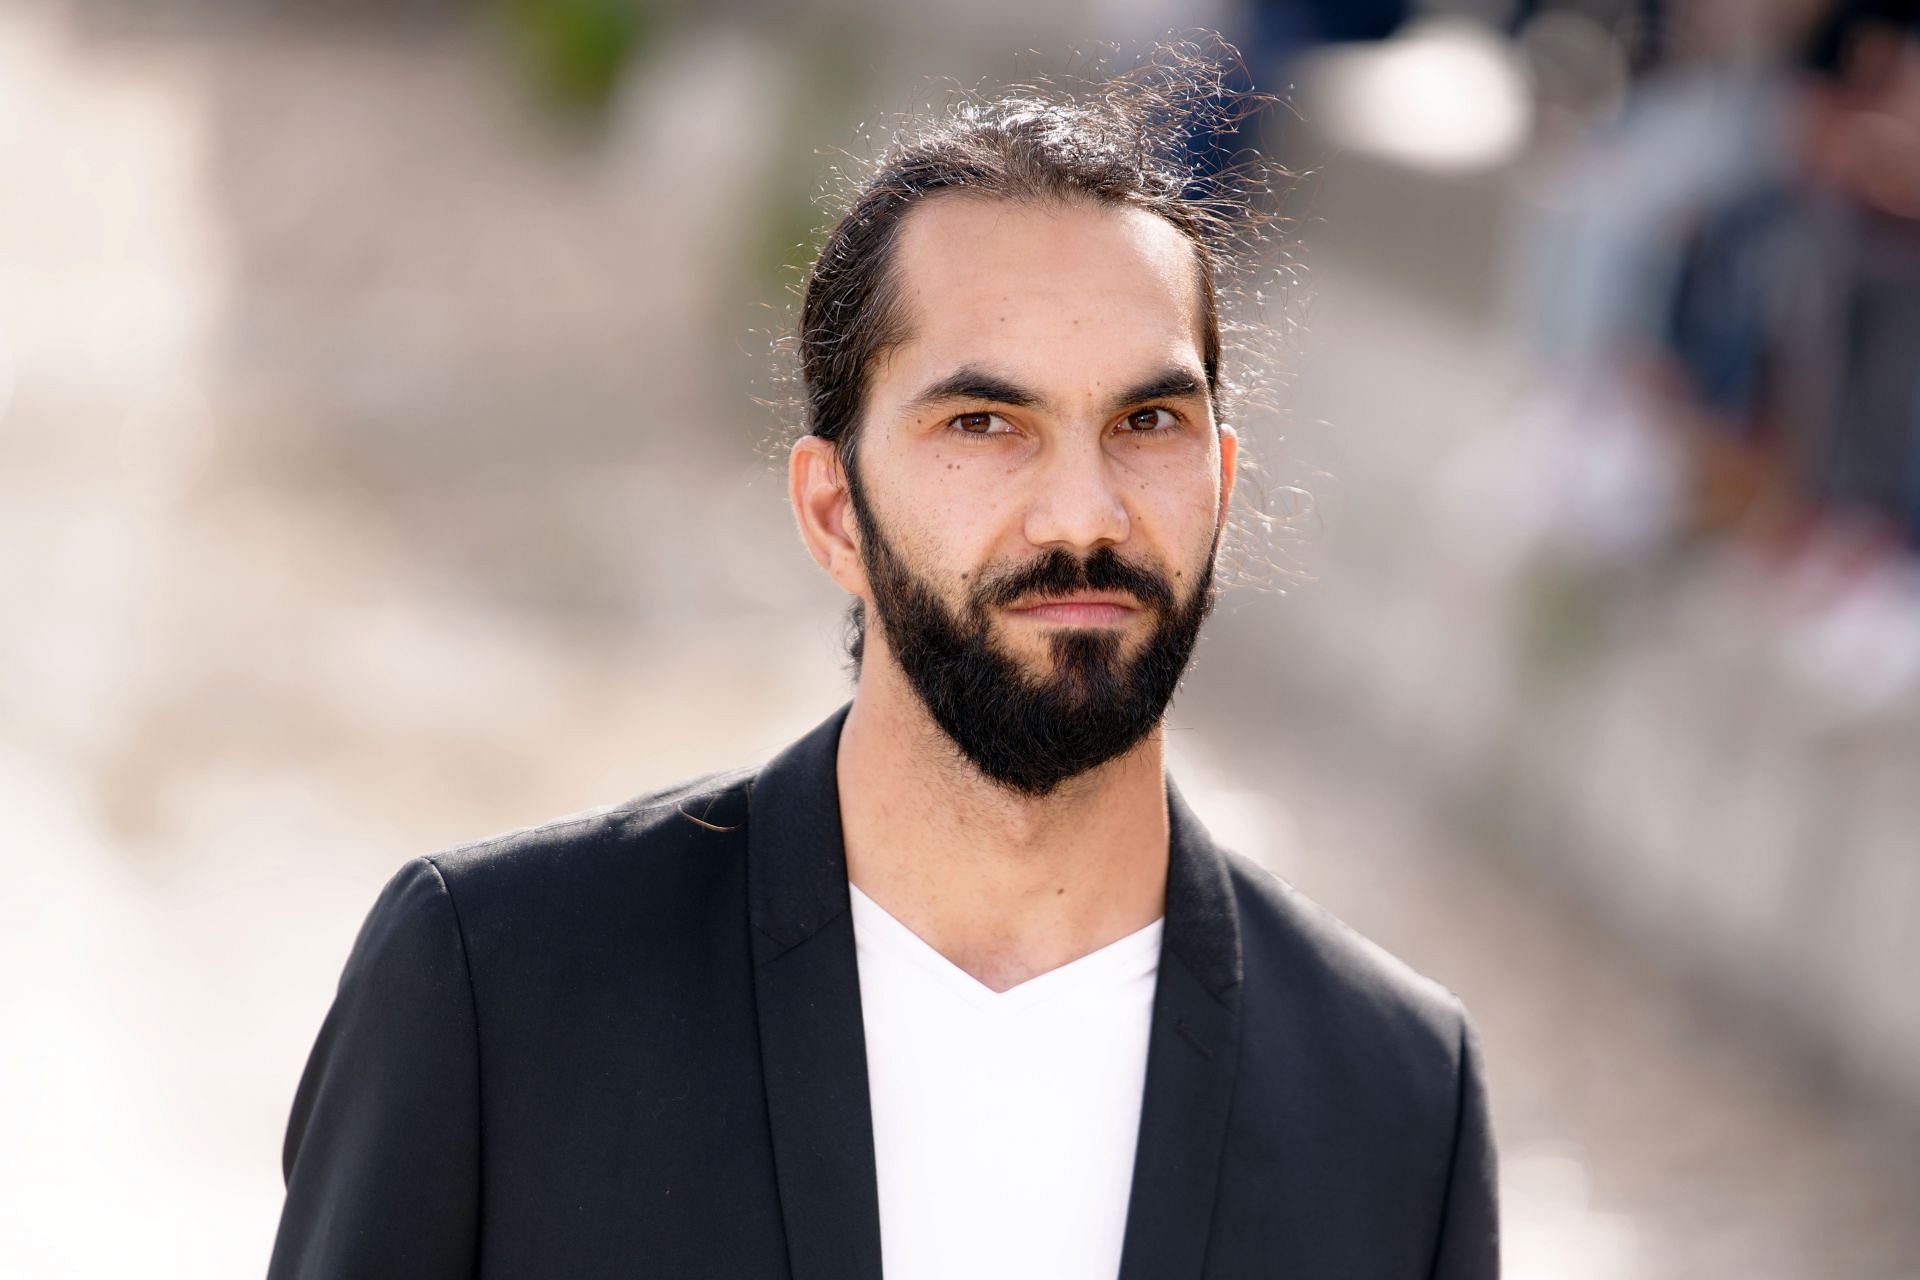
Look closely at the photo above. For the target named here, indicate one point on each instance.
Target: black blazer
(629, 1044)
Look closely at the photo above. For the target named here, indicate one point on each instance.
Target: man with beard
(956, 986)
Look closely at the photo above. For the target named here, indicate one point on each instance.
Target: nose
(1076, 502)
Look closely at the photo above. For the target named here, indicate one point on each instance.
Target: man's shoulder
(1319, 966)
(694, 819)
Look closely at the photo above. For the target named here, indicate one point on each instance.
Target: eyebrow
(1169, 384)
(970, 382)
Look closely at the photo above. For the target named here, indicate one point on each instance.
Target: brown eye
(1148, 421)
(980, 424)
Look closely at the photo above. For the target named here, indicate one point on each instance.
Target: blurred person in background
(1794, 334)
(1731, 325)
(956, 985)
(1785, 363)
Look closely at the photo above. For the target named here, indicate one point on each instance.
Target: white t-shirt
(1003, 1123)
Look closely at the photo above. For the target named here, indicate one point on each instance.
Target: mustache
(1059, 572)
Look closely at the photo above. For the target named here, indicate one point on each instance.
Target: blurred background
(384, 462)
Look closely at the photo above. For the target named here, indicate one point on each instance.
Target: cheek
(1176, 505)
(946, 518)
(967, 507)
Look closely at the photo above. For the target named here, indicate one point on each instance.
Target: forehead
(1046, 288)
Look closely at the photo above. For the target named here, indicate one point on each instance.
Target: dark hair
(1142, 139)
(1130, 142)
(1830, 46)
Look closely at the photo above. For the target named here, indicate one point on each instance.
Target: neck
(1005, 886)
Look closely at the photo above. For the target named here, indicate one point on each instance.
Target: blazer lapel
(1192, 1052)
(813, 1043)
(807, 988)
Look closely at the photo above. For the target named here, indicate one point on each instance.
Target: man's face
(1041, 484)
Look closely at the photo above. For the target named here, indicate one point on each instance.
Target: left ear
(1229, 467)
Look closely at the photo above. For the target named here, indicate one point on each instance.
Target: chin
(1045, 659)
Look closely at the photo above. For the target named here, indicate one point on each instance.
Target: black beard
(1027, 734)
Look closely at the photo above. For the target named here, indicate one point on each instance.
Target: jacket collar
(813, 1046)
(1193, 1054)
(797, 864)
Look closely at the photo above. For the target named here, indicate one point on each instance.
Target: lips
(1090, 609)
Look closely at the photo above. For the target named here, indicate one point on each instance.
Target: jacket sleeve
(1469, 1245)
(382, 1151)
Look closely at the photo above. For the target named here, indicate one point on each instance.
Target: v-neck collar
(1131, 956)
(813, 1046)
